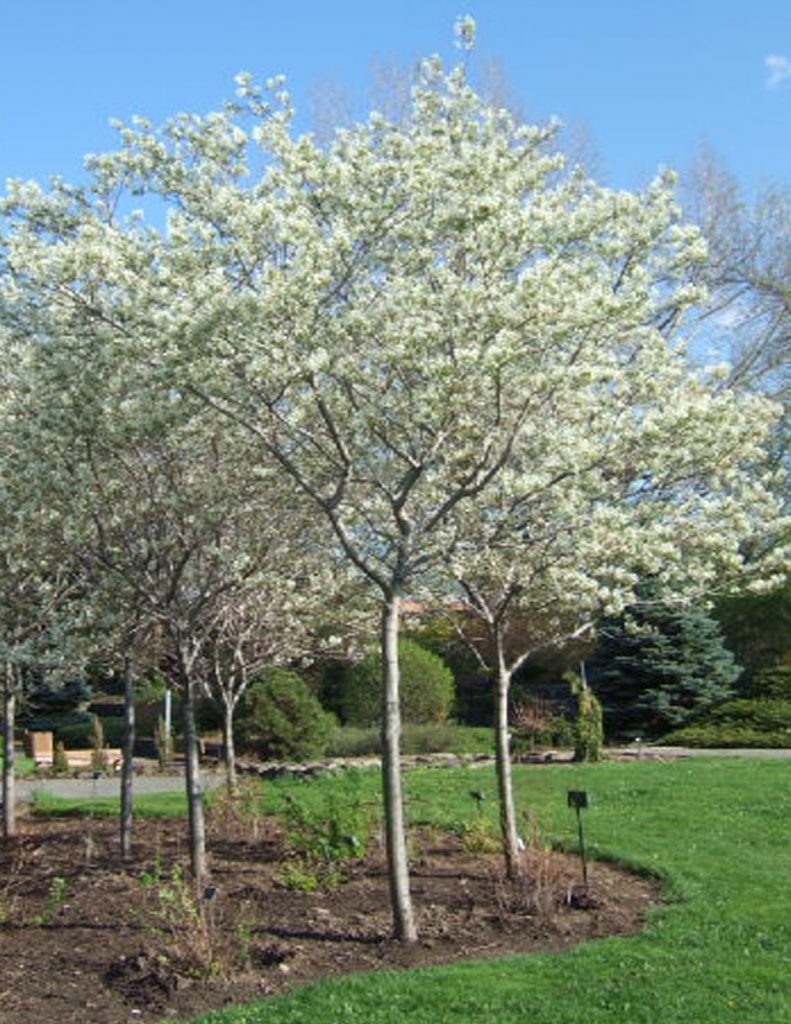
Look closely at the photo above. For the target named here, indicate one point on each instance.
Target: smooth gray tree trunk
(197, 824)
(127, 765)
(229, 748)
(395, 833)
(505, 789)
(9, 771)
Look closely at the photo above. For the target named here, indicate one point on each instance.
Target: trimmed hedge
(426, 687)
(739, 723)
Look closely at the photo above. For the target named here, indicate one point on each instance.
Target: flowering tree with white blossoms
(403, 319)
(662, 488)
(37, 581)
(153, 493)
(38, 575)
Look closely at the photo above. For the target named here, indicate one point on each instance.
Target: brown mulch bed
(82, 940)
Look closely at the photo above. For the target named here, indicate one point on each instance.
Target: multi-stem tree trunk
(229, 748)
(9, 775)
(197, 825)
(502, 745)
(400, 898)
(127, 764)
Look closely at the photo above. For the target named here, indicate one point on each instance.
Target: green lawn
(717, 832)
(24, 766)
(148, 805)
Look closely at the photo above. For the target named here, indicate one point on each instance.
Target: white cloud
(778, 68)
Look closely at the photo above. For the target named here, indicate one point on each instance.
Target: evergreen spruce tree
(657, 667)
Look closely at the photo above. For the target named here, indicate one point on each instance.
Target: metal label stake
(577, 799)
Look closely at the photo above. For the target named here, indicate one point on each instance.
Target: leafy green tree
(426, 687)
(658, 667)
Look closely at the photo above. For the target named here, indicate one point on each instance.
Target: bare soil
(85, 940)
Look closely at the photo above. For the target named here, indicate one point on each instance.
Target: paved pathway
(79, 789)
(783, 753)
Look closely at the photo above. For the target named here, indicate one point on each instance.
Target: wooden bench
(41, 747)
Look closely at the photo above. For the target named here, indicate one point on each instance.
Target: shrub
(588, 728)
(739, 723)
(771, 683)
(282, 718)
(354, 741)
(60, 763)
(113, 731)
(537, 722)
(332, 826)
(426, 687)
(446, 738)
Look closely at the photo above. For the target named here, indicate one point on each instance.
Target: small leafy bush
(536, 723)
(60, 762)
(480, 836)
(446, 738)
(739, 723)
(282, 719)
(324, 836)
(113, 730)
(426, 687)
(354, 741)
(175, 916)
(56, 897)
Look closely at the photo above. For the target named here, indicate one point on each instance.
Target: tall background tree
(660, 667)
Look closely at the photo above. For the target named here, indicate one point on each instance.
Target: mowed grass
(718, 832)
(24, 766)
(148, 805)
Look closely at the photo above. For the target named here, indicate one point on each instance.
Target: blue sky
(651, 80)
